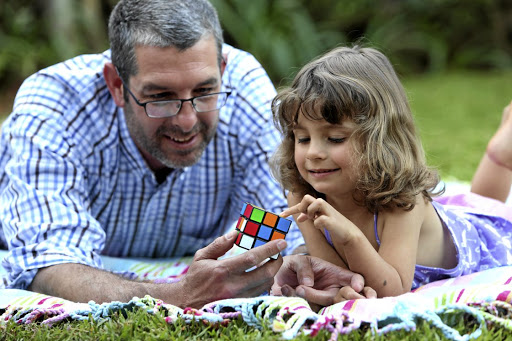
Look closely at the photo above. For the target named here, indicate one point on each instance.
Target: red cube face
(257, 227)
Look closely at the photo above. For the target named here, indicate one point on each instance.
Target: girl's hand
(347, 293)
(322, 214)
(309, 208)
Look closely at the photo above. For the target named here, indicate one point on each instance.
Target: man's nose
(186, 118)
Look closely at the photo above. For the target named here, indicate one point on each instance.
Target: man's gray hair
(159, 23)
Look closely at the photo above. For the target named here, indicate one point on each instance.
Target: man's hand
(319, 282)
(209, 279)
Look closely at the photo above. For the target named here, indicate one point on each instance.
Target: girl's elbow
(389, 290)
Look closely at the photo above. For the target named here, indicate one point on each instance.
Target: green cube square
(257, 215)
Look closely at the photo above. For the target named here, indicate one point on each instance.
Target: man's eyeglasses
(169, 108)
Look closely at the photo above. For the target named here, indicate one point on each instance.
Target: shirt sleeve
(44, 205)
(257, 139)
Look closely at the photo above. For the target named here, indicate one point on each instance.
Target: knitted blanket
(485, 295)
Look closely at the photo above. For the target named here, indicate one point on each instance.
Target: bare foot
(499, 148)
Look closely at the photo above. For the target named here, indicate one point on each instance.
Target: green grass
(456, 115)
(139, 325)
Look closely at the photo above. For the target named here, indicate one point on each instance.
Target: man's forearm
(82, 283)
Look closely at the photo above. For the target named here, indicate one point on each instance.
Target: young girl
(358, 184)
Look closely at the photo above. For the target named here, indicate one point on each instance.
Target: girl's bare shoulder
(415, 217)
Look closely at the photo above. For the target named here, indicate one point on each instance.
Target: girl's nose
(316, 151)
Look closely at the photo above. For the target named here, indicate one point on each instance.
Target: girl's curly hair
(359, 84)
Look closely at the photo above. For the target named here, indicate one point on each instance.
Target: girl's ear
(114, 84)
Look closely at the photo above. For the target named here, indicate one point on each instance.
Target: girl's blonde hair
(359, 84)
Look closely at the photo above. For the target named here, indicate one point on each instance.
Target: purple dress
(481, 229)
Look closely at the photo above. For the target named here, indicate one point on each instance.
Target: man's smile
(183, 142)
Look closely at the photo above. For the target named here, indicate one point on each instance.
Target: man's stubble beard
(152, 147)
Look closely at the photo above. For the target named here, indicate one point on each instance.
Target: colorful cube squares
(257, 227)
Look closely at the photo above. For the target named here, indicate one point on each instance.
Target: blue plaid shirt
(74, 186)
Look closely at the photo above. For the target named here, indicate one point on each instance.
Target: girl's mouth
(322, 171)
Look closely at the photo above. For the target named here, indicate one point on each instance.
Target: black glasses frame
(191, 100)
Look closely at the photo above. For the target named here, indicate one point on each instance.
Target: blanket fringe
(290, 316)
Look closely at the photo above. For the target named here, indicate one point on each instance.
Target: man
(146, 150)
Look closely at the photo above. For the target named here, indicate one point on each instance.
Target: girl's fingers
(316, 209)
(301, 207)
(309, 208)
(302, 217)
(290, 211)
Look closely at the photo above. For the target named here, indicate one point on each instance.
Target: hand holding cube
(258, 227)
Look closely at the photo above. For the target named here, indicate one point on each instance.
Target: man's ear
(223, 63)
(114, 83)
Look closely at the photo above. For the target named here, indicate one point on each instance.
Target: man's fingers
(218, 247)
(318, 297)
(304, 270)
(257, 281)
(357, 282)
(264, 275)
(287, 291)
(255, 256)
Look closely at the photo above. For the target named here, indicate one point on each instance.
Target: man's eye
(203, 91)
(159, 96)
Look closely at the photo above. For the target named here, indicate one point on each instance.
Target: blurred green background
(454, 56)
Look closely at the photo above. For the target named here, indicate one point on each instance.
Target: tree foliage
(419, 36)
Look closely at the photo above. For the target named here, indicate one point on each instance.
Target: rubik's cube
(258, 227)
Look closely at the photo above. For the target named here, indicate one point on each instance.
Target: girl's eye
(337, 140)
(302, 139)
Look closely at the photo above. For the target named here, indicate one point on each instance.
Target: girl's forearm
(378, 274)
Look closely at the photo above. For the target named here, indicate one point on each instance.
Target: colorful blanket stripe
(486, 296)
